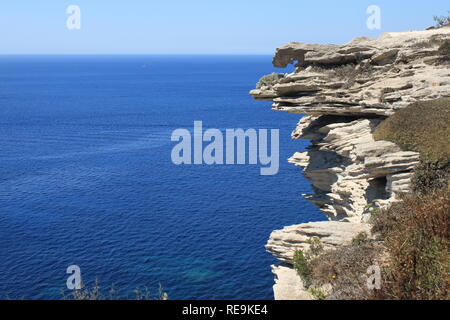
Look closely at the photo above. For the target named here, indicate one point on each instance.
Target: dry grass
(345, 269)
(411, 249)
(415, 233)
(422, 127)
(430, 177)
(348, 73)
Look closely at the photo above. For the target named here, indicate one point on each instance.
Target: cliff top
(363, 77)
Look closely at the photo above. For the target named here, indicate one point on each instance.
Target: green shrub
(318, 294)
(302, 259)
(269, 80)
(301, 265)
(315, 247)
(361, 238)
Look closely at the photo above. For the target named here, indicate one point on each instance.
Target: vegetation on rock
(269, 80)
(422, 127)
(345, 269)
(442, 20)
(301, 265)
(415, 233)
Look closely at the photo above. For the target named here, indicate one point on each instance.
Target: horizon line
(136, 54)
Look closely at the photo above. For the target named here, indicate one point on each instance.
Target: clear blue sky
(198, 26)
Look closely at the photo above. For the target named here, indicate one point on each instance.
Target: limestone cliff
(345, 91)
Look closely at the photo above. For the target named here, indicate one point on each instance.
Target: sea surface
(86, 177)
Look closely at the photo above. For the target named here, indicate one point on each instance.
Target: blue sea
(86, 177)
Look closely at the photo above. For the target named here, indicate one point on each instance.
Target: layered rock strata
(345, 91)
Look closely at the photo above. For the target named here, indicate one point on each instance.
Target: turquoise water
(86, 177)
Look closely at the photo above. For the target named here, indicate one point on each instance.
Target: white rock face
(348, 168)
(345, 91)
(283, 243)
(288, 285)
(381, 76)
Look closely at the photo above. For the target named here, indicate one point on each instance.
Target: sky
(199, 26)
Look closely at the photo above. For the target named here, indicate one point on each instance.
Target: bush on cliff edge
(415, 233)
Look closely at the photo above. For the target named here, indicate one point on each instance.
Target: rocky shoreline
(345, 92)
